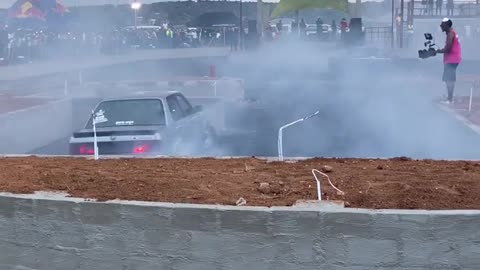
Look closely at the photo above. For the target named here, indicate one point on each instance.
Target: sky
(8, 3)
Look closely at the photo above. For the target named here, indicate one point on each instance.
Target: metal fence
(426, 9)
(379, 35)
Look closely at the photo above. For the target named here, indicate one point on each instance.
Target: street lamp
(136, 6)
(393, 24)
(241, 25)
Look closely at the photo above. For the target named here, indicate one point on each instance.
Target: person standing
(343, 28)
(438, 10)
(280, 26)
(170, 35)
(235, 37)
(303, 28)
(450, 6)
(452, 57)
(334, 30)
(3, 42)
(318, 24)
(430, 7)
(294, 28)
(424, 10)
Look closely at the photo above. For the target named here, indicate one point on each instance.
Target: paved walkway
(15, 103)
(49, 67)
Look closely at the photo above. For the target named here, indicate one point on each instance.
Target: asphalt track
(421, 130)
(386, 115)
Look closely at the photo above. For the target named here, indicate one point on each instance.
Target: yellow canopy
(294, 5)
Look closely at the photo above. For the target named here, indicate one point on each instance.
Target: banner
(23, 9)
(36, 9)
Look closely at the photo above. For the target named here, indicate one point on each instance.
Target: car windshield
(135, 112)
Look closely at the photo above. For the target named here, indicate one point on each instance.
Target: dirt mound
(396, 183)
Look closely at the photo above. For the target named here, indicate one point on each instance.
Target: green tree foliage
(286, 6)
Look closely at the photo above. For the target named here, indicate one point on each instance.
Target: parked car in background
(325, 34)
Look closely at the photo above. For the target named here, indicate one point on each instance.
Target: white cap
(445, 20)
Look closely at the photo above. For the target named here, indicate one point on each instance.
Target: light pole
(135, 6)
(260, 18)
(401, 23)
(241, 25)
(393, 24)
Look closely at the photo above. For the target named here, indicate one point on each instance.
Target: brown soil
(397, 183)
(11, 104)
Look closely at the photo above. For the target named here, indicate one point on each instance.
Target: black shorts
(450, 72)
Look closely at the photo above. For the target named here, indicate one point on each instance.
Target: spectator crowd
(29, 45)
(303, 30)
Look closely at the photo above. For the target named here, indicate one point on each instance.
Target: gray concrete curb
(49, 231)
(475, 128)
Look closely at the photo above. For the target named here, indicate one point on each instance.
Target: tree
(286, 6)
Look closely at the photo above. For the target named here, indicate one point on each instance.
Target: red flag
(60, 8)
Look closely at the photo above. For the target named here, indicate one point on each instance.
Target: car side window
(184, 105)
(174, 108)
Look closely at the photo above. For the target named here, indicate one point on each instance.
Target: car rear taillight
(86, 150)
(141, 149)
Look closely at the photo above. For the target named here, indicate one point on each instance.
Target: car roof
(151, 95)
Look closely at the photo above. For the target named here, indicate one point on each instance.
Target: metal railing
(280, 133)
(381, 35)
(459, 9)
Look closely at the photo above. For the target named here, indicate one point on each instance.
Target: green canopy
(295, 5)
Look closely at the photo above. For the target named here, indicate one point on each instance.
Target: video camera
(429, 50)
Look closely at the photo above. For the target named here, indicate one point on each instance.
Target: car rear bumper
(117, 148)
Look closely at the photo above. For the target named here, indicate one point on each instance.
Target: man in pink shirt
(452, 56)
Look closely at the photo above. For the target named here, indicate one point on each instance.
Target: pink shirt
(455, 55)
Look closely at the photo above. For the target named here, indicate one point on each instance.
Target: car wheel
(176, 147)
(209, 139)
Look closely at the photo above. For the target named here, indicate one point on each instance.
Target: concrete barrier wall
(25, 130)
(71, 234)
(19, 72)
